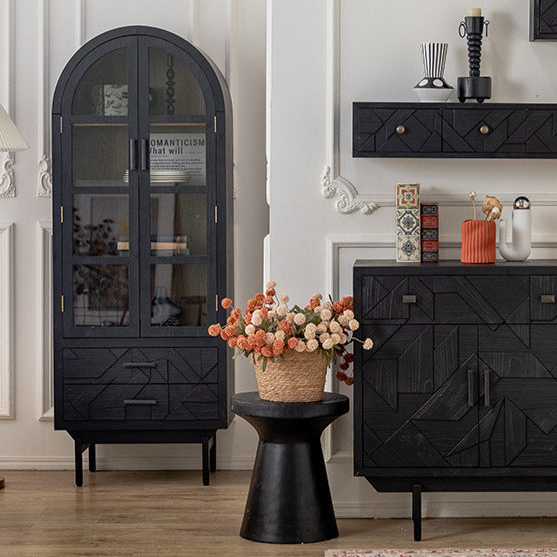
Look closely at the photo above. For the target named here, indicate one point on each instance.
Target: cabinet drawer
(396, 131)
(115, 402)
(543, 297)
(140, 365)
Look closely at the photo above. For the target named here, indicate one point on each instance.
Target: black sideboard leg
(417, 511)
(78, 463)
(213, 454)
(205, 451)
(92, 458)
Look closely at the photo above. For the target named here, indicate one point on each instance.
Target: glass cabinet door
(177, 194)
(100, 199)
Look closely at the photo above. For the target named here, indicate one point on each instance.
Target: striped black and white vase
(433, 87)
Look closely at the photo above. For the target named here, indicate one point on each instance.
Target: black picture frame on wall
(543, 20)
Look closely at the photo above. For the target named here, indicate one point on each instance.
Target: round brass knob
(400, 129)
(484, 130)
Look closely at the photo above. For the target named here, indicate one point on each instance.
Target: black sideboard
(453, 130)
(459, 392)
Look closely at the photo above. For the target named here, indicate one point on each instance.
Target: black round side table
(289, 500)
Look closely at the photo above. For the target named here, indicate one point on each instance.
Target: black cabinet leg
(92, 459)
(213, 454)
(78, 463)
(205, 458)
(417, 511)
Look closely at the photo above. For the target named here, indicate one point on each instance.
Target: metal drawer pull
(547, 298)
(470, 387)
(140, 402)
(141, 364)
(408, 299)
(484, 130)
(486, 388)
(400, 130)
(133, 154)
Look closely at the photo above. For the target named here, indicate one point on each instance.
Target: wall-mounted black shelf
(453, 130)
(543, 20)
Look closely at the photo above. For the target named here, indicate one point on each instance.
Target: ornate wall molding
(44, 317)
(7, 177)
(6, 321)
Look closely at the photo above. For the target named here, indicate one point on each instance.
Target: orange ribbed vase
(478, 241)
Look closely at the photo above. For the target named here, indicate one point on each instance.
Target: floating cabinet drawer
(114, 365)
(454, 130)
(543, 20)
(543, 299)
(115, 402)
(391, 131)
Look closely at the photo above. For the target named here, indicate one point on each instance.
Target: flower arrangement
(271, 329)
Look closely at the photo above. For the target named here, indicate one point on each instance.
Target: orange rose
(347, 302)
(349, 381)
(292, 342)
(231, 320)
(247, 319)
(260, 338)
(341, 376)
(349, 357)
(284, 326)
(214, 330)
(263, 312)
(226, 303)
(242, 342)
(259, 297)
(270, 293)
(338, 307)
(269, 300)
(267, 351)
(278, 346)
(231, 331)
(343, 366)
(224, 334)
(232, 342)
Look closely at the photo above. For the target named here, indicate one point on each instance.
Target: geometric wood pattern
(492, 130)
(543, 20)
(465, 377)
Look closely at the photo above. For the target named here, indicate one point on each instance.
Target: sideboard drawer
(115, 402)
(544, 297)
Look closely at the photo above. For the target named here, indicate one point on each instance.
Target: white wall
(325, 54)
(37, 38)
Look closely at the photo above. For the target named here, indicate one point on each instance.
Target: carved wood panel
(543, 20)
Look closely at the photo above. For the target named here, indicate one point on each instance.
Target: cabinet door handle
(470, 387)
(144, 154)
(484, 130)
(408, 299)
(547, 298)
(140, 402)
(141, 364)
(400, 130)
(133, 154)
(486, 388)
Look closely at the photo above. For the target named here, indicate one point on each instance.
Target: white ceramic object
(433, 87)
(431, 95)
(519, 248)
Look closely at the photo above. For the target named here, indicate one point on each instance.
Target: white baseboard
(522, 505)
(121, 463)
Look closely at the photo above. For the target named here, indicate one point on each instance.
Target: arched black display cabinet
(142, 225)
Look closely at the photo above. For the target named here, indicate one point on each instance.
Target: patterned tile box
(408, 221)
(408, 196)
(408, 248)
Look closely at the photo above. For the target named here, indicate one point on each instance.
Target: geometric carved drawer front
(543, 20)
(454, 130)
(140, 365)
(544, 298)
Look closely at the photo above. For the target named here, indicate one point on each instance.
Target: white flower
(317, 309)
(270, 284)
(272, 314)
(343, 320)
(324, 336)
(269, 338)
(326, 305)
(335, 337)
(353, 324)
(311, 327)
(312, 345)
(335, 327)
(250, 329)
(316, 296)
(299, 319)
(309, 333)
(328, 344)
(279, 335)
(256, 319)
(368, 344)
(301, 346)
(323, 326)
(343, 338)
(326, 314)
(284, 299)
(282, 310)
(349, 314)
(290, 317)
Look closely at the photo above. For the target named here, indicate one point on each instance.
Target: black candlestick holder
(474, 86)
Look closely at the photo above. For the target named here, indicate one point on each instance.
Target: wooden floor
(170, 514)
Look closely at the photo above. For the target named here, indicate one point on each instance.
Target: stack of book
(430, 232)
(408, 240)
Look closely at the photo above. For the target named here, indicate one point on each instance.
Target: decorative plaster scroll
(332, 184)
(44, 316)
(6, 321)
(44, 188)
(7, 185)
(348, 201)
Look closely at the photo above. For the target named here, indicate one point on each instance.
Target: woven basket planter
(298, 377)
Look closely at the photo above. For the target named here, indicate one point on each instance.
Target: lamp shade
(10, 137)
